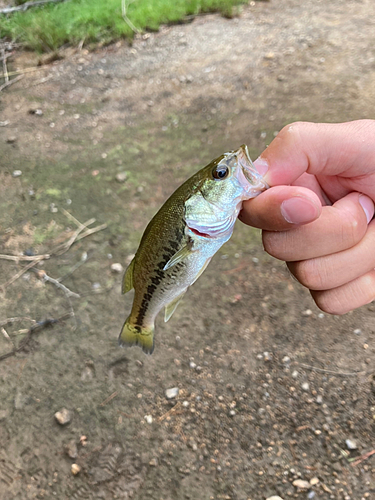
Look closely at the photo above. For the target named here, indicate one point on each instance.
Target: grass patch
(91, 21)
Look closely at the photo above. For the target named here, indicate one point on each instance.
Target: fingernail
(368, 206)
(261, 165)
(299, 210)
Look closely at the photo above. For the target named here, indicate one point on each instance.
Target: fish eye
(220, 172)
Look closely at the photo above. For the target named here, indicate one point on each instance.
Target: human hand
(317, 214)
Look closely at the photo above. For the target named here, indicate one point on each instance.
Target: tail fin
(136, 335)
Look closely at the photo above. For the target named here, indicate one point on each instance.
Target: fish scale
(180, 240)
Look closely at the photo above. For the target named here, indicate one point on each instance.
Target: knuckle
(328, 302)
(292, 132)
(310, 274)
(353, 229)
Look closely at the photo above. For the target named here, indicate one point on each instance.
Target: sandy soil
(270, 388)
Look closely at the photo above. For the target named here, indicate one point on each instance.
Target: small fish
(181, 239)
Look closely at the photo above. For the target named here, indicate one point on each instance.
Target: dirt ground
(275, 397)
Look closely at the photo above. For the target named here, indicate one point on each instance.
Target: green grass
(91, 21)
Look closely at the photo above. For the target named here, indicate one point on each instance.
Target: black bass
(181, 239)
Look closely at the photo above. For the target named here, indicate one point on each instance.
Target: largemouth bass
(181, 239)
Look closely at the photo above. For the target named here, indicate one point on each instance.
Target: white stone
(148, 419)
(301, 484)
(172, 392)
(116, 267)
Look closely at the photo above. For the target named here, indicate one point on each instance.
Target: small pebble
(17, 173)
(153, 462)
(286, 360)
(148, 419)
(71, 449)
(116, 267)
(274, 497)
(12, 139)
(63, 416)
(351, 445)
(301, 484)
(192, 365)
(308, 312)
(305, 386)
(267, 356)
(76, 469)
(172, 392)
(121, 176)
(311, 495)
(96, 286)
(357, 331)
(319, 399)
(314, 481)
(35, 111)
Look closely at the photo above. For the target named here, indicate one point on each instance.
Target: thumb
(325, 149)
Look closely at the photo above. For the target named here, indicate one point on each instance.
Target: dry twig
(27, 258)
(363, 457)
(15, 320)
(5, 69)
(27, 5)
(40, 325)
(169, 412)
(107, 400)
(331, 372)
(10, 82)
(44, 276)
(19, 274)
(124, 8)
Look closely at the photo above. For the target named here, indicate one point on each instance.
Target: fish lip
(251, 180)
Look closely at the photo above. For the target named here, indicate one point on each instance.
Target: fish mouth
(248, 176)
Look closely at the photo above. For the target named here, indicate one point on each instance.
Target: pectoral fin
(172, 306)
(127, 284)
(178, 257)
(202, 269)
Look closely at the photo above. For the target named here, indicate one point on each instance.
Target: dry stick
(107, 400)
(23, 71)
(38, 326)
(169, 412)
(331, 372)
(65, 289)
(14, 320)
(27, 258)
(91, 231)
(124, 8)
(76, 221)
(27, 5)
(20, 273)
(65, 246)
(363, 457)
(5, 85)
(5, 69)
(6, 335)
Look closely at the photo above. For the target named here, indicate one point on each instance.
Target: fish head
(232, 178)
(225, 183)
